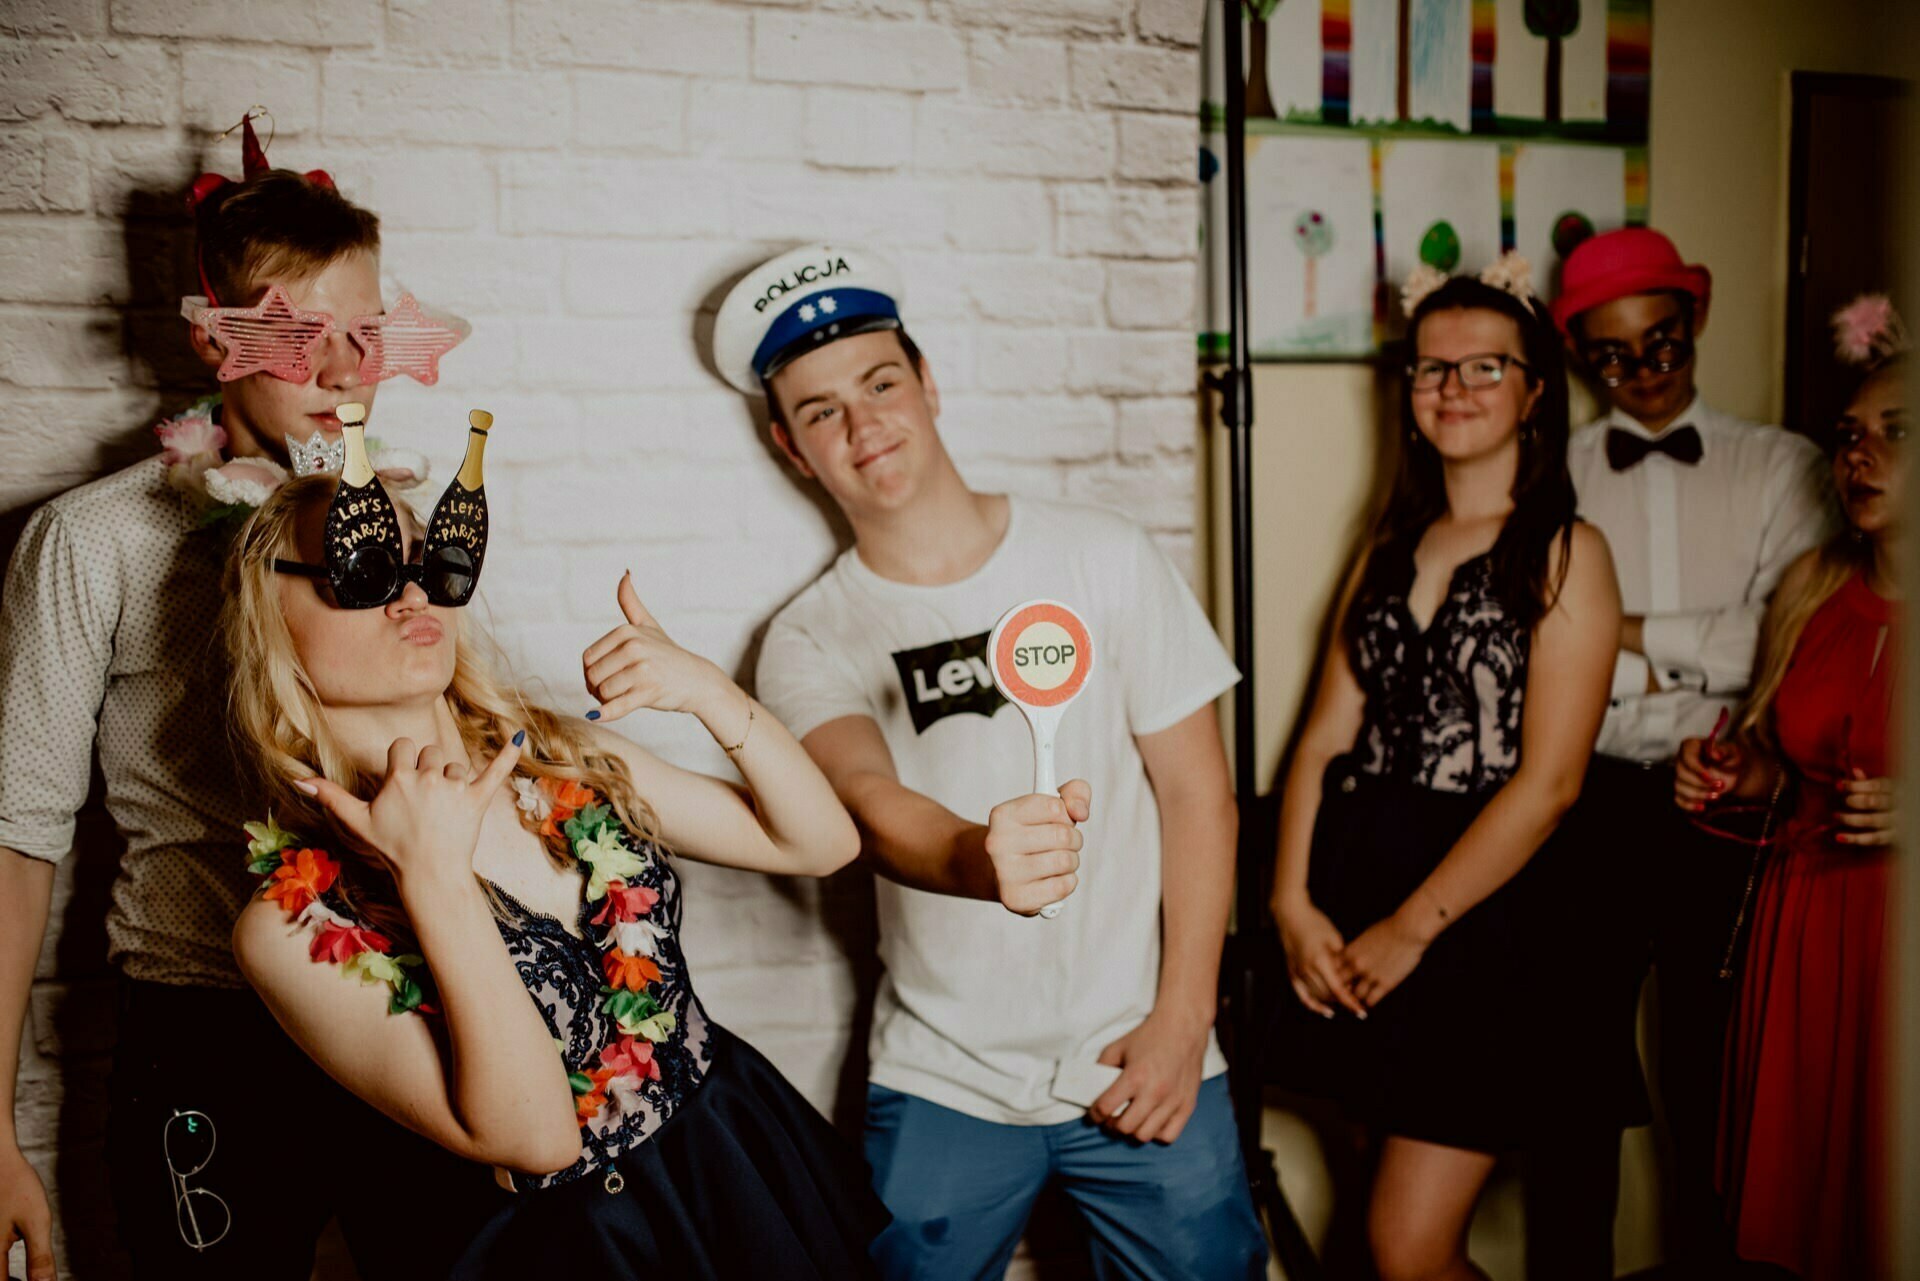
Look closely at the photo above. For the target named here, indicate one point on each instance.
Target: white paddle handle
(1045, 782)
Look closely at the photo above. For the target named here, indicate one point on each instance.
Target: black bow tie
(1626, 449)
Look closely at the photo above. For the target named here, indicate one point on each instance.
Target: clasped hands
(1329, 972)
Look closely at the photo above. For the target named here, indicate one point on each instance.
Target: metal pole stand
(1242, 1016)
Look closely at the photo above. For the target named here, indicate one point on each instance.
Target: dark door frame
(1805, 87)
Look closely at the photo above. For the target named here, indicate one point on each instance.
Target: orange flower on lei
(302, 877)
(568, 797)
(633, 972)
(587, 1106)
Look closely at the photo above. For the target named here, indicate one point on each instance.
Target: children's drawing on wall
(1562, 195)
(1412, 62)
(1569, 69)
(1312, 263)
(1382, 134)
(1552, 62)
(1439, 200)
(1283, 60)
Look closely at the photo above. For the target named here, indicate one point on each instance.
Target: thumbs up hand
(637, 665)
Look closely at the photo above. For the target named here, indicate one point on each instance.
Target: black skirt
(745, 1180)
(1496, 1040)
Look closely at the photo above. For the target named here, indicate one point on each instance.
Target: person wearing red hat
(1704, 512)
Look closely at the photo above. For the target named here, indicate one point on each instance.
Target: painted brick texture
(582, 179)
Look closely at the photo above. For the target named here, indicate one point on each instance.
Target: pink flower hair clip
(1868, 331)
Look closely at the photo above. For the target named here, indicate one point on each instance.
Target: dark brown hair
(1543, 497)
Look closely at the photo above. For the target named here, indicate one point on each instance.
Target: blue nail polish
(520, 738)
(594, 715)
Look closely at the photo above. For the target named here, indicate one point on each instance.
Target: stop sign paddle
(1041, 656)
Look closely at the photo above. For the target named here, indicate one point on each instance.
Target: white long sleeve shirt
(1698, 549)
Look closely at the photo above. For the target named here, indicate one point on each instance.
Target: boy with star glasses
(106, 628)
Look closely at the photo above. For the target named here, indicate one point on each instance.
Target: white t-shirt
(978, 1007)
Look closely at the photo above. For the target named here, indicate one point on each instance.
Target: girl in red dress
(1803, 1123)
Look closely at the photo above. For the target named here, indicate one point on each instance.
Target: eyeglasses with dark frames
(1488, 369)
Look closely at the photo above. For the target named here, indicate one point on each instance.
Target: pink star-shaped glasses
(278, 338)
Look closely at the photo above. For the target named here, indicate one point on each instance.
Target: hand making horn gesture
(425, 819)
(638, 665)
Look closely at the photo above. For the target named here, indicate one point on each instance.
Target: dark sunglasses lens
(189, 1143)
(368, 579)
(1611, 368)
(1664, 358)
(448, 576)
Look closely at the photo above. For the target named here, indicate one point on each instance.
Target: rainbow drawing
(1637, 191)
(1629, 68)
(1485, 21)
(1508, 237)
(1336, 60)
(1382, 291)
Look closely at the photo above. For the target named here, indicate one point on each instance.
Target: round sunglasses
(1614, 365)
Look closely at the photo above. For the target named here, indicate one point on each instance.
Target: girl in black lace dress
(1458, 704)
(506, 913)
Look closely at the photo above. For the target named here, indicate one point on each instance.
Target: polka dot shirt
(108, 639)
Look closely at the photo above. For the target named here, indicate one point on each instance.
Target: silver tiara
(316, 454)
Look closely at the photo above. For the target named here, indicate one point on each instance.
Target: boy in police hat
(999, 1036)
(1704, 512)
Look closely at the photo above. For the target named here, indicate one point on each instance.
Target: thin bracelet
(745, 734)
(1446, 917)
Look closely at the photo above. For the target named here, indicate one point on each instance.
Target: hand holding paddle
(1041, 656)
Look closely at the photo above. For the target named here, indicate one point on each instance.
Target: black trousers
(278, 1143)
(1675, 892)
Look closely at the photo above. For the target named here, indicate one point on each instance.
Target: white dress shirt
(1699, 548)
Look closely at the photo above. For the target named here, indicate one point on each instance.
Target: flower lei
(223, 489)
(299, 878)
(219, 488)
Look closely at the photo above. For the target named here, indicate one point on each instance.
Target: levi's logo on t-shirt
(947, 678)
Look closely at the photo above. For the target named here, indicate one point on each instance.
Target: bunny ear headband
(1868, 331)
(1509, 272)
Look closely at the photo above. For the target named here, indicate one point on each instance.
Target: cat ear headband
(366, 565)
(1510, 273)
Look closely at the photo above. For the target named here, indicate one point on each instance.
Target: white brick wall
(582, 179)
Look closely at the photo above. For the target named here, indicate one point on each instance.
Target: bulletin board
(1386, 133)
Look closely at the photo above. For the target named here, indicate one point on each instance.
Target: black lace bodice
(1444, 704)
(564, 973)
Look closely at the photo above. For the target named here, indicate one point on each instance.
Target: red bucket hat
(1616, 264)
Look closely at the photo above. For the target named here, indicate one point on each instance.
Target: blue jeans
(961, 1189)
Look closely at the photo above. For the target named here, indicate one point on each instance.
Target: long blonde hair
(1794, 602)
(280, 727)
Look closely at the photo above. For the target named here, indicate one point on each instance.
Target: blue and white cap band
(797, 302)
